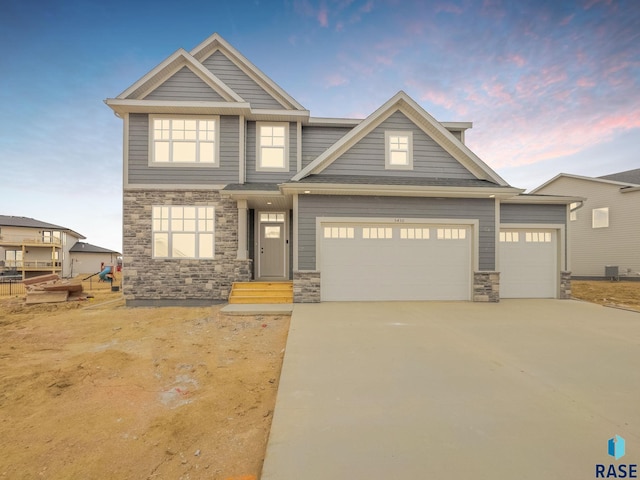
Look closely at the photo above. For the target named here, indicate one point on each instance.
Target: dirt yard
(94, 390)
(618, 294)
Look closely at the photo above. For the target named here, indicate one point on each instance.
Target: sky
(550, 86)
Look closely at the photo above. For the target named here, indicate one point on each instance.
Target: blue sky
(550, 86)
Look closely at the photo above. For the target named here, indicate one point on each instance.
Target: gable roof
(26, 222)
(588, 179)
(179, 59)
(631, 177)
(405, 104)
(82, 247)
(215, 42)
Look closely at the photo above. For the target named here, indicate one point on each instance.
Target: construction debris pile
(51, 289)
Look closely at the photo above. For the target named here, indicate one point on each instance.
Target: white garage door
(528, 263)
(395, 262)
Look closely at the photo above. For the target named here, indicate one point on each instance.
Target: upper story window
(600, 217)
(184, 140)
(272, 147)
(398, 150)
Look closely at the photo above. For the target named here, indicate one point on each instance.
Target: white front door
(271, 246)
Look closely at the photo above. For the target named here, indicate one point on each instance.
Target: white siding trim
(125, 151)
(299, 146)
(242, 160)
(295, 232)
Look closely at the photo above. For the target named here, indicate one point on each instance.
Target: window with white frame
(398, 150)
(509, 237)
(184, 140)
(451, 234)
(537, 237)
(339, 232)
(272, 150)
(376, 233)
(600, 217)
(183, 232)
(414, 234)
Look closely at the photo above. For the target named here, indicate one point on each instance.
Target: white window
(184, 140)
(272, 152)
(573, 211)
(338, 232)
(377, 233)
(398, 150)
(452, 234)
(600, 217)
(414, 233)
(509, 237)
(272, 217)
(183, 232)
(537, 237)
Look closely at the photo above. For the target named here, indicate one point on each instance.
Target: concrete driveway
(523, 389)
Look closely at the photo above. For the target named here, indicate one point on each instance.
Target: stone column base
(306, 287)
(486, 286)
(565, 285)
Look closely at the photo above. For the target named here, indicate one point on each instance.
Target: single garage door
(528, 263)
(365, 262)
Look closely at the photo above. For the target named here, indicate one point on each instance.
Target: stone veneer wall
(486, 286)
(306, 287)
(565, 285)
(149, 281)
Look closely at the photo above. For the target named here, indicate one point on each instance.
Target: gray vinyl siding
(521, 213)
(185, 85)
(367, 157)
(140, 172)
(312, 206)
(591, 249)
(252, 175)
(240, 82)
(317, 139)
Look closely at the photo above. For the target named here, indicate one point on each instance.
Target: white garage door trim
(420, 273)
(529, 257)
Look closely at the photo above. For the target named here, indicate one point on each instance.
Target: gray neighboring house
(30, 247)
(228, 178)
(604, 230)
(87, 258)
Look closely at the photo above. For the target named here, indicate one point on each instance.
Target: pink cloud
(517, 59)
(566, 20)
(335, 80)
(322, 17)
(367, 7)
(590, 3)
(585, 82)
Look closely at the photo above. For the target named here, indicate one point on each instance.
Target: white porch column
(243, 253)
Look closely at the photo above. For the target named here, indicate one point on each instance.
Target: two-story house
(228, 178)
(604, 228)
(30, 247)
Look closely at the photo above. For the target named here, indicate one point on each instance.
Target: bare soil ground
(619, 294)
(94, 390)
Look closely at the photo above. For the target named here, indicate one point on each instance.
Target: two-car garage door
(364, 262)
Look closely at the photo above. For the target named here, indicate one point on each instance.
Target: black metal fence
(10, 287)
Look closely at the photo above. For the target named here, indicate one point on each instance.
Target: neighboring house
(227, 178)
(29, 247)
(605, 228)
(87, 258)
